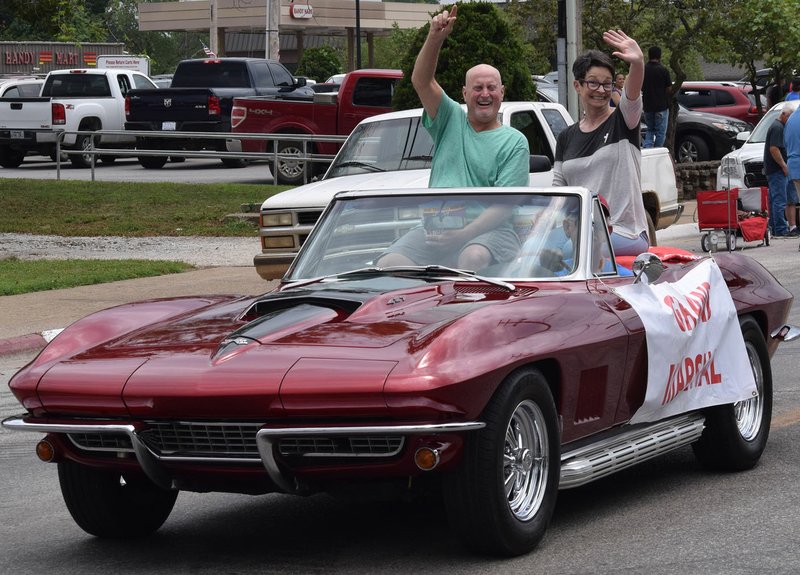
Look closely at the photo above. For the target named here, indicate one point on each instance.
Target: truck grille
(308, 218)
(754, 174)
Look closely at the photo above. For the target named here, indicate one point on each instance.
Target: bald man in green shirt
(471, 149)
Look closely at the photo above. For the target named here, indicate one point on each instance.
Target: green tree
(319, 63)
(51, 20)
(390, 50)
(537, 19)
(482, 33)
(762, 31)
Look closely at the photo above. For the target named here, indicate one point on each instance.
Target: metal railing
(274, 155)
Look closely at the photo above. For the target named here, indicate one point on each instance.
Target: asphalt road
(193, 170)
(664, 516)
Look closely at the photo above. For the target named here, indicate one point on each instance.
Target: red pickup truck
(363, 93)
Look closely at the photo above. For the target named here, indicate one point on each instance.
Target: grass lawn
(77, 208)
(131, 209)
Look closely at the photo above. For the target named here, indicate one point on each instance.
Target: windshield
(533, 235)
(759, 135)
(387, 145)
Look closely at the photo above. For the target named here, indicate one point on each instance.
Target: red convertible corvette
(497, 388)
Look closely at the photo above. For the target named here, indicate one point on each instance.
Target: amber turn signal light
(45, 451)
(426, 458)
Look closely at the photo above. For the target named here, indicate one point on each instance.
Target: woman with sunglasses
(601, 152)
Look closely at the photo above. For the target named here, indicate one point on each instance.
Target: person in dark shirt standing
(656, 90)
(782, 195)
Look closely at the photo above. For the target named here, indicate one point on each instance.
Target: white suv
(744, 168)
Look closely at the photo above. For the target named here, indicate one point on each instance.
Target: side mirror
(742, 136)
(539, 164)
(649, 266)
(786, 333)
(300, 82)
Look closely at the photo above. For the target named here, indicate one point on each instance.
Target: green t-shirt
(463, 157)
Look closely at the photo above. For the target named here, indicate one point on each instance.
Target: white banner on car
(696, 352)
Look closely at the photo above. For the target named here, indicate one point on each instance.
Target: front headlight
(273, 220)
(730, 128)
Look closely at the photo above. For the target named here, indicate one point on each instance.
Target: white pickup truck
(394, 151)
(70, 101)
(744, 167)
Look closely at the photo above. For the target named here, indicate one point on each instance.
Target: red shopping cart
(734, 213)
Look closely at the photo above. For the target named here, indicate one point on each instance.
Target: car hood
(266, 356)
(318, 194)
(747, 152)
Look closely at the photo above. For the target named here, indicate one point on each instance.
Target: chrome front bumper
(152, 463)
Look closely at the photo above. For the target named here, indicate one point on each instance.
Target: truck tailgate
(25, 114)
(169, 105)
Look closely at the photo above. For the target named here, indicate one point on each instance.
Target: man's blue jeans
(656, 128)
(777, 202)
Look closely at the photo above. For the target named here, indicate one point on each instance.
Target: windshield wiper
(359, 164)
(413, 271)
(411, 158)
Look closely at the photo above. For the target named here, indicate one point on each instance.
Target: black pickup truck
(200, 100)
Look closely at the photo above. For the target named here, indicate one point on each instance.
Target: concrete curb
(21, 344)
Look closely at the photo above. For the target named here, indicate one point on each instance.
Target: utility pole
(273, 17)
(568, 45)
(212, 36)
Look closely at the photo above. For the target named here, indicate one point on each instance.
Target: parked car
(702, 136)
(20, 87)
(494, 390)
(724, 98)
(744, 167)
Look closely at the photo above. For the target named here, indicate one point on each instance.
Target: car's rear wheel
(736, 434)
(10, 158)
(501, 498)
(108, 504)
(651, 230)
(290, 172)
(692, 148)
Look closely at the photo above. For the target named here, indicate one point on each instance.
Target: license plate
(17, 134)
(167, 125)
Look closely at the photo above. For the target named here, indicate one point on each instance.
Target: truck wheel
(234, 162)
(290, 172)
(501, 497)
(83, 143)
(153, 162)
(736, 434)
(11, 158)
(108, 504)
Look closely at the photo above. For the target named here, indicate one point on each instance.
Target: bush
(319, 63)
(482, 34)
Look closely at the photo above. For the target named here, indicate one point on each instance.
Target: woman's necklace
(590, 125)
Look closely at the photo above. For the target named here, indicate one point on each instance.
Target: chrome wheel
(750, 413)
(525, 460)
(290, 171)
